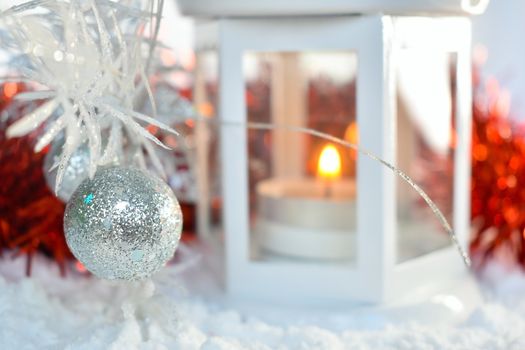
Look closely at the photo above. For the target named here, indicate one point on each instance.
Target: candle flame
(329, 166)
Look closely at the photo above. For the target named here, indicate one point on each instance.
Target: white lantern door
(432, 99)
(285, 42)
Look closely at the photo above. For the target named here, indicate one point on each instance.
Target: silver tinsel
(76, 171)
(123, 224)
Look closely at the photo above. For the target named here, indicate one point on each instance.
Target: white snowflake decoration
(91, 58)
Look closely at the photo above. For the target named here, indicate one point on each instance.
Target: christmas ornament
(123, 224)
(76, 171)
(92, 58)
(90, 61)
(30, 215)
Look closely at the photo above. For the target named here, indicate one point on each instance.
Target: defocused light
(80, 267)
(190, 123)
(503, 103)
(206, 109)
(10, 89)
(480, 152)
(352, 133)
(152, 129)
(170, 141)
(480, 54)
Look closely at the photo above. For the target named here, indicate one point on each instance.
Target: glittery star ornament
(90, 60)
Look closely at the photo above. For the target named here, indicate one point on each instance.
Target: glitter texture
(123, 224)
(76, 171)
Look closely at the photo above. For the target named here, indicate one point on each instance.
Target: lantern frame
(375, 276)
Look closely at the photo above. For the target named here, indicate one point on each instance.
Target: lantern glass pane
(302, 190)
(426, 91)
(209, 214)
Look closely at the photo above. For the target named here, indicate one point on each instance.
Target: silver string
(435, 210)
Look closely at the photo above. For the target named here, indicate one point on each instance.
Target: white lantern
(305, 220)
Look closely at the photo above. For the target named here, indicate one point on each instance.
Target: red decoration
(498, 177)
(30, 215)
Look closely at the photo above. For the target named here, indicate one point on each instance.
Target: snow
(79, 312)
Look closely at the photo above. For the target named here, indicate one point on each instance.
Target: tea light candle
(309, 218)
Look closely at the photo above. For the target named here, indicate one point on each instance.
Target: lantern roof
(255, 8)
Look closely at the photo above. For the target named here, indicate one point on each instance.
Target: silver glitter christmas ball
(77, 170)
(123, 224)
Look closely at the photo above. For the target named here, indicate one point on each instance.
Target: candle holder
(308, 221)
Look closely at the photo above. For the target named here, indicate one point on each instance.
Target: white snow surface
(47, 311)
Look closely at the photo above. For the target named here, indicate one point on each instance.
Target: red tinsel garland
(30, 215)
(498, 177)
